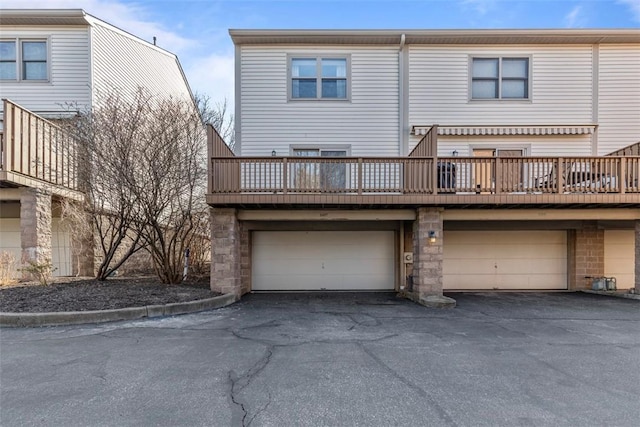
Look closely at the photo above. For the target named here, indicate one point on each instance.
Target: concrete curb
(613, 294)
(101, 316)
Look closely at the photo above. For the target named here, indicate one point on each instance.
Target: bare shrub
(8, 268)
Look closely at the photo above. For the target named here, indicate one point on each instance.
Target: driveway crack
(446, 418)
(239, 382)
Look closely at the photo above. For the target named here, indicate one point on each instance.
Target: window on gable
(23, 60)
(8, 57)
(34, 60)
(500, 78)
(319, 78)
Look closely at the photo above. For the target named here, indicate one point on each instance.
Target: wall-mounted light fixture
(273, 153)
(455, 153)
(432, 236)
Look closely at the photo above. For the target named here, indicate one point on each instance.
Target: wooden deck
(35, 152)
(410, 181)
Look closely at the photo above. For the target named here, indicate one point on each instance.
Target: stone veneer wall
(35, 226)
(586, 255)
(245, 259)
(427, 257)
(225, 251)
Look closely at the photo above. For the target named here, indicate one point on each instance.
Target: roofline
(78, 17)
(450, 36)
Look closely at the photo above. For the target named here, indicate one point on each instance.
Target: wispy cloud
(575, 18)
(213, 75)
(129, 17)
(634, 7)
(481, 7)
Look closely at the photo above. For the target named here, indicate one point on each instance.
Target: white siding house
(56, 63)
(430, 160)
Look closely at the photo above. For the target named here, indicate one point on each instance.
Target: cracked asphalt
(370, 359)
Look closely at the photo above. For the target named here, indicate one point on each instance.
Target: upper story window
(23, 60)
(319, 78)
(500, 78)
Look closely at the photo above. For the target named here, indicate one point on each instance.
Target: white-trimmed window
(500, 78)
(319, 77)
(24, 60)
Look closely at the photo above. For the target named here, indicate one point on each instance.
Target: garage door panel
(619, 257)
(316, 260)
(10, 241)
(473, 266)
(505, 260)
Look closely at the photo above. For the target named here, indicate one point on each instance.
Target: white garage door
(619, 257)
(60, 244)
(505, 260)
(322, 260)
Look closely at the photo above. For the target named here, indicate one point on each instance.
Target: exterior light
(455, 153)
(432, 236)
(273, 153)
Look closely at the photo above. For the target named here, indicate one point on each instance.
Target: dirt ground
(90, 294)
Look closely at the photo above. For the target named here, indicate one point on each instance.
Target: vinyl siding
(619, 97)
(69, 71)
(560, 82)
(557, 145)
(368, 122)
(122, 63)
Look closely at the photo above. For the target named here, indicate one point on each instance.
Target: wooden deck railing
(35, 148)
(629, 150)
(425, 175)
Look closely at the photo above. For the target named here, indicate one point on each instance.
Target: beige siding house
(55, 63)
(429, 161)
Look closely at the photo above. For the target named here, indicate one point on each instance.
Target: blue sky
(197, 30)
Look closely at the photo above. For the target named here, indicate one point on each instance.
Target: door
(488, 260)
(322, 260)
(485, 173)
(320, 175)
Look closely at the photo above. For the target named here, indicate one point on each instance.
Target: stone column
(245, 259)
(637, 246)
(35, 228)
(225, 251)
(428, 258)
(586, 255)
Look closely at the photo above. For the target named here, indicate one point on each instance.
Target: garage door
(60, 244)
(505, 260)
(619, 257)
(322, 260)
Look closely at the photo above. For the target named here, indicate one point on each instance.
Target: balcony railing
(425, 175)
(34, 148)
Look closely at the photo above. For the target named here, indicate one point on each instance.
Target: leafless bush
(143, 170)
(8, 268)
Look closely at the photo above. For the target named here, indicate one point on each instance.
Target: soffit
(37, 17)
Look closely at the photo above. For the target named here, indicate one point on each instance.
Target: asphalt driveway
(336, 359)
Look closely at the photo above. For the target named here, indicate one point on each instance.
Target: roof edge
(448, 36)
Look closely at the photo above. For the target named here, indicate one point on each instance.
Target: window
(500, 78)
(8, 60)
(319, 78)
(28, 62)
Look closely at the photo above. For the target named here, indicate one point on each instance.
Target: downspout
(402, 144)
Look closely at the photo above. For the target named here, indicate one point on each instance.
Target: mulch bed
(91, 294)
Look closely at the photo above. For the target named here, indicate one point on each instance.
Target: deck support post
(637, 257)
(427, 259)
(225, 251)
(35, 230)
